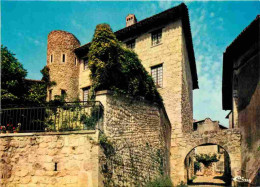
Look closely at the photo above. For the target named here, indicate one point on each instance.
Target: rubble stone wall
(140, 135)
(65, 74)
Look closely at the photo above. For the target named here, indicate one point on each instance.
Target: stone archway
(217, 173)
(183, 143)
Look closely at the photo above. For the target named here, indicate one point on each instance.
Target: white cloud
(208, 99)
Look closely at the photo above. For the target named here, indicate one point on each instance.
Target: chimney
(130, 20)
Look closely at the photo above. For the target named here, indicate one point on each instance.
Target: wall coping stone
(47, 133)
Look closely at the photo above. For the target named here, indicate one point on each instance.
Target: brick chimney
(130, 20)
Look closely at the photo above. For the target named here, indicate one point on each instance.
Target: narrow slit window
(63, 93)
(50, 95)
(157, 75)
(75, 61)
(63, 57)
(51, 58)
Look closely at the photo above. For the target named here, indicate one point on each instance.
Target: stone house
(240, 94)
(207, 125)
(163, 42)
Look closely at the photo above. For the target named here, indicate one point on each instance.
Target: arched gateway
(184, 143)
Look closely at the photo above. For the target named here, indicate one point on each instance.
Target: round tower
(63, 64)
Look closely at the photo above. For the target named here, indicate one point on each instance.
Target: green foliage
(58, 100)
(36, 94)
(193, 177)
(115, 68)
(15, 89)
(91, 120)
(107, 145)
(196, 166)
(46, 77)
(160, 182)
(206, 159)
(182, 184)
(12, 78)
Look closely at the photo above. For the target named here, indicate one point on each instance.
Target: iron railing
(68, 116)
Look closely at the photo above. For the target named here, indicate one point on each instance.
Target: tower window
(50, 95)
(85, 93)
(75, 61)
(157, 75)
(130, 44)
(51, 58)
(85, 64)
(156, 37)
(63, 58)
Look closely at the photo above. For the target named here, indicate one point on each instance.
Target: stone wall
(140, 135)
(65, 74)
(50, 159)
(183, 143)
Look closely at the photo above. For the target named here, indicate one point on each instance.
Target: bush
(116, 68)
(196, 166)
(160, 182)
(206, 159)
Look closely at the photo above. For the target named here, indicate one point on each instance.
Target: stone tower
(63, 64)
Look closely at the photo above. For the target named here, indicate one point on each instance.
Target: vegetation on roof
(116, 68)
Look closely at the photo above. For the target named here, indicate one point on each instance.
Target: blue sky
(214, 25)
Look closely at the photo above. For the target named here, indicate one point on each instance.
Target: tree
(12, 78)
(15, 89)
(114, 67)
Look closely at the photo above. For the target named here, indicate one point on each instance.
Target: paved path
(207, 181)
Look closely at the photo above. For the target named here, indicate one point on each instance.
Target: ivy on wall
(116, 68)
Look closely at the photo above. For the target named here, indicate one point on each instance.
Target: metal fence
(65, 117)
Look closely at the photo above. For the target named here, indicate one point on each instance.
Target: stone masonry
(140, 132)
(230, 140)
(49, 159)
(137, 150)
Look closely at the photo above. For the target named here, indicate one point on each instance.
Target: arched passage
(228, 139)
(216, 172)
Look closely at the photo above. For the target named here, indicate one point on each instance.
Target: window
(51, 58)
(63, 58)
(63, 93)
(85, 64)
(50, 95)
(75, 62)
(130, 44)
(85, 94)
(156, 37)
(157, 75)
